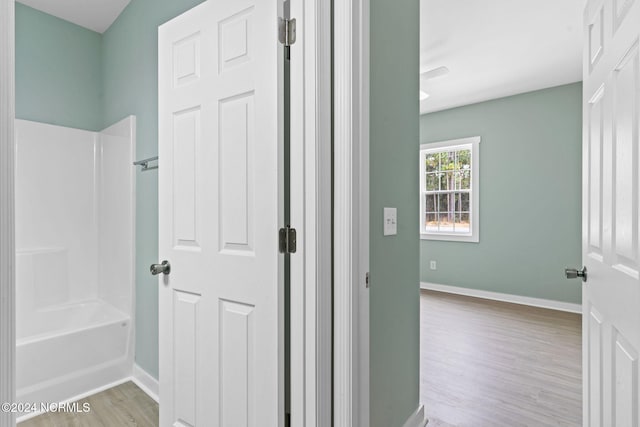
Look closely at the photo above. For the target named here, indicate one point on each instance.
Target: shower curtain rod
(145, 163)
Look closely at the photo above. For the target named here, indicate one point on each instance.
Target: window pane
(446, 222)
(463, 159)
(431, 162)
(432, 182)
(431, 222)
(462, 223)
(465, 179)
(464, 202)
(444, 202)
(447, 181)
(447, 160)
(458, 179)
(431, 203)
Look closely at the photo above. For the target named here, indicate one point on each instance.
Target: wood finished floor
(122, 406)
(489, 363)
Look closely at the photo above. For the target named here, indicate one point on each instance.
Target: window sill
(450, 238)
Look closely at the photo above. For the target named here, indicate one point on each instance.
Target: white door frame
(7, 209)
(351, 213)
(310, 154)
(311, 213)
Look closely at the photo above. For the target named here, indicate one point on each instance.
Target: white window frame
(474, 202)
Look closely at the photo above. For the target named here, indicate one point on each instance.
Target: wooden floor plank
(490, 363)
(122, 406)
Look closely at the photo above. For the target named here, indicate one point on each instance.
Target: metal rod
(145, 163)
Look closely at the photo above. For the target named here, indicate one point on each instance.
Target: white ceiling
(96, 15)
(496, 48)
(493, 48)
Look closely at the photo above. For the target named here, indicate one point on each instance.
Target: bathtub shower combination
(75, 259)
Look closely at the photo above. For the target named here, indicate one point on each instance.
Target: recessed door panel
(185, 366)
(236, 140)
(186, 141)
(236, 43)
(625, 140)
(237, 361)
(595, 350)
(595, 177)
(186, 60)
(625, 382)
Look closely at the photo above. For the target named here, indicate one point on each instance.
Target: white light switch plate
(390, 221)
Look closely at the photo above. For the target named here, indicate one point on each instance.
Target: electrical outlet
(433, 265)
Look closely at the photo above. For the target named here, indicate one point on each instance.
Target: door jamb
(318, 105)
(351, 213)
(310, 153)
(7, 210)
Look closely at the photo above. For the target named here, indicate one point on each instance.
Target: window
(449, 173)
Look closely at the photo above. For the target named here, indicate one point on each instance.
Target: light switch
(390, 221)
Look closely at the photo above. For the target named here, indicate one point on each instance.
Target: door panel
(595, 121)
(236, 174)
(221, 206)
(611, 297)
(185, 363)
(595, 367)
(625, 382)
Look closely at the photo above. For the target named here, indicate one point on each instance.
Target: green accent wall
(58, 71)
(394, 260)
(130, 86)
(530, 195)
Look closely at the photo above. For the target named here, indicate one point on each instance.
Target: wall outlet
(433, 265)
(390, 218)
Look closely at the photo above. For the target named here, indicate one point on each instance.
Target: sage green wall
(394, 263)
(530, 195)
(130, 86)
(58, 71)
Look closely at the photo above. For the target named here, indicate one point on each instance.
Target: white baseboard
(140, 377)
(416, 419)
(497, 296)
(146, 382)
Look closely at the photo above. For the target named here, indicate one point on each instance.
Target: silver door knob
(164, 268)
(572, 273)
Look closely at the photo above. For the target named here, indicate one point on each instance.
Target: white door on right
(611, 221)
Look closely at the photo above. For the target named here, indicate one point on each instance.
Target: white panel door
(220, 181)
(611, 157)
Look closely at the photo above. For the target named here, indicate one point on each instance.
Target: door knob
(572, 273)
(164, 268)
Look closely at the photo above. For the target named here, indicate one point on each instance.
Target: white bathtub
(70, 350)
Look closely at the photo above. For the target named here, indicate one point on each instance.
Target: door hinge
(366, 280)
(287, 240)
(287, 31)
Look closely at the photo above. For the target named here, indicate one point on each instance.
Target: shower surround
(75, 259)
